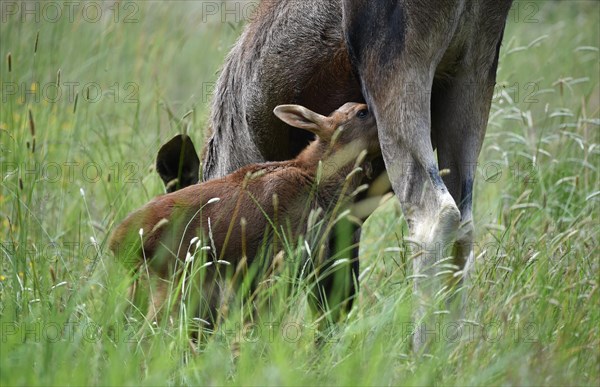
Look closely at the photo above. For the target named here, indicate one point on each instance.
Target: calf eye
(362, 113)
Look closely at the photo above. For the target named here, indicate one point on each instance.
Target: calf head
(352, 125)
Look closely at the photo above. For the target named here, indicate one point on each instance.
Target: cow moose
(251, 207)
(426, 69)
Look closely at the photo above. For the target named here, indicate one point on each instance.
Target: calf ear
(303, 118)
(177, 163)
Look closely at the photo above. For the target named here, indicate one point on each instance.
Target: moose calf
(238, 213)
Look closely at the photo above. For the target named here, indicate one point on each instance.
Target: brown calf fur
(252, 202)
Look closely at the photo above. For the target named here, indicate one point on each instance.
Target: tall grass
(65, 317)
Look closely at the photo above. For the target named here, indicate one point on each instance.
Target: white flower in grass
(213, 200)
(141, 232)
(58, 285)
(220, 261)
(364, 273)
(207, 264)
(307, 247)
(82, 192)
(197, 319)
(189, 257)
(341, 261)
(205, 248)
(194, 240)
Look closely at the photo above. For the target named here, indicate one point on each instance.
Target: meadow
(90, 90)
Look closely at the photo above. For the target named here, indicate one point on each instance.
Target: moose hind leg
(460, 110)
(395, 46)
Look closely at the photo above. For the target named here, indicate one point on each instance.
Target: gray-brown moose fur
(426, 68)
(169, 222)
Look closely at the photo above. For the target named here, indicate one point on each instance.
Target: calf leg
(336, 291)
(336, 284)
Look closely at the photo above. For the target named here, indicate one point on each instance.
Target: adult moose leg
(396, 47)
(460, 109)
